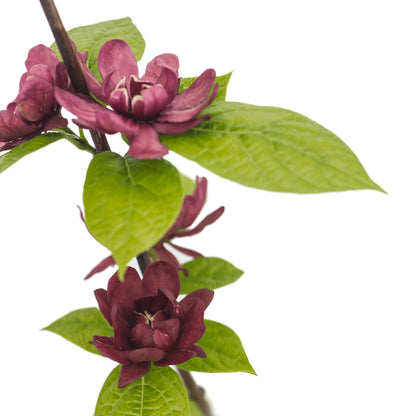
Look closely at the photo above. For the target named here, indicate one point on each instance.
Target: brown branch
(71, 63)
(195, 392)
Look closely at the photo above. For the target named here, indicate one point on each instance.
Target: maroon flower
(35, 108)
(149, 324)
(191, 207)
(141, 107)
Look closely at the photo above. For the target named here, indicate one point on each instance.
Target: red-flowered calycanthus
(35, 109)
(191, 208)
(141, 107)
(150, 325)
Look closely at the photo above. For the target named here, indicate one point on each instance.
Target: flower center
(149, 318)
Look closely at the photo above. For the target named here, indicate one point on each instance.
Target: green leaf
(225, 352)
(80, 326)
(160, 392)
(188, 184)
(223, 80)
(130, 203)
(271, 148)
(208, 273)
(12, 156)
(90, 38)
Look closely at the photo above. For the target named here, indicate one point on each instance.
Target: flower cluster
(35, 108)
(141, 107)
(191, 207)
(149, 324)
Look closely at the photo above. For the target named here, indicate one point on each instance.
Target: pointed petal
(100, 267)
(165, 255)
(116, 55)
(192, 326)
(204, 295)
(106, 346)
(196, 93)
(170, 82)
(177, 114)
(177, 128)
(103, 304)
(146, 144)
(161, 274)
(191, 206)
(176, 357)
(186, 251)
(198, 351)
(121, 329)
(132, 372)
(111, 122)
(208, 220)
(146, 354)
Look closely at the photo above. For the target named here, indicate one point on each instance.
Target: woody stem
(71, 63)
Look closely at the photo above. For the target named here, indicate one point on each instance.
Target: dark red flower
(149, 324)
(191, 207)
(143, 106)
(35, 108)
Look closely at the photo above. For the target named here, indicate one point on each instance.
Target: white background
(326, 309)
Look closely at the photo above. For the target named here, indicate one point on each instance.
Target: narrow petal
(161, 274)
(176, 357)
(198, 351)
(103, 304)
(191, 206)
(177, 128)
(111, 122)
(186, 251)
(100, 267)
(146, 354)
(146, 144)
(163, 254)
(132, 372)
(192, 325)
(121, 328)
(175, 114)
(106, 346)
(204, 295)
(208, 220)
(196, 93)
(116, 55)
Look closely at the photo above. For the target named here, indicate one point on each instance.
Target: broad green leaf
(90, 38)
(80, 326)
(160, 392)
(188, 184)
(223, 80)
(225, 352)
(208, 273)
(12, 156)
(130, 203)
(271, 148)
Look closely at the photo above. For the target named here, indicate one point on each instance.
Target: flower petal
(161, 274)
(177, 128)
(103, 304)
(146, 144)
(116, 55)
(192, 325)
(41, 54)
(186, 251)
(169, 327)
(132, 372)
(121, 329)
(106, 346)
(100, 267)
(204, 295)
(163, 254)
(142, 336)
(156, 65)
(150, 102)
(176, 357)
(146, 354)
(13, 127)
